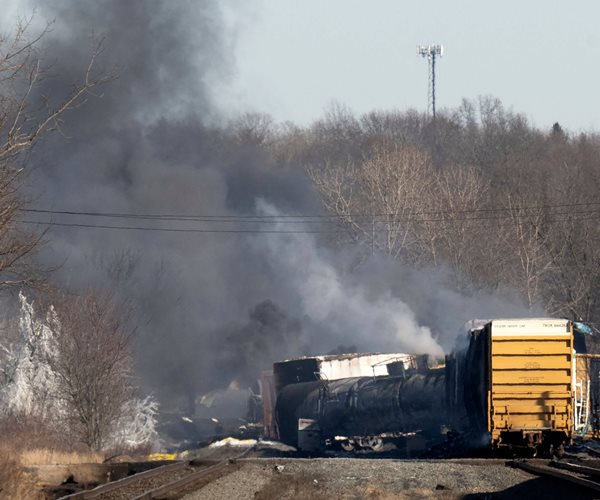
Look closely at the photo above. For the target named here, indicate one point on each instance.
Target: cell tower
(431, 52)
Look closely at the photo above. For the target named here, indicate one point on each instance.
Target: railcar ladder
(581, 405)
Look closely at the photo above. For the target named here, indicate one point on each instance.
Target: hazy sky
(539, 57)
(293, 57)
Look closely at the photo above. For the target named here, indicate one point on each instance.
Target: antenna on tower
(431, 52)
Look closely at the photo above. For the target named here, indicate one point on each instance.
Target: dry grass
(27, 442)
(43, 456)
(32, 441)
(15, 482)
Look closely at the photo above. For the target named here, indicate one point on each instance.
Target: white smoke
(347, 311)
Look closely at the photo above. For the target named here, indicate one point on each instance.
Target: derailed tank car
(512, 385)
(361, 412)
(521, 385)
(338, 366)
(358, 411)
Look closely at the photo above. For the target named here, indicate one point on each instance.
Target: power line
(291, 217)
(581, 215)
(172, 230)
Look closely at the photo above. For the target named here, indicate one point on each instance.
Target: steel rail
(190, 478)
(121, 483)
(580, 469)
(159, 491)
(547, 471)
(592, 451)
(182, 482)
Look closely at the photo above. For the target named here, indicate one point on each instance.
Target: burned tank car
(339, 366)
(362, 410)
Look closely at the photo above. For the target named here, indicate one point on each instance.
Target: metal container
(515, 382)
(364, 406)
(338, 366)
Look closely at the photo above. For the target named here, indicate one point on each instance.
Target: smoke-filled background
(211, 307)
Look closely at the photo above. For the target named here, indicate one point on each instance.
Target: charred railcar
(338, 366)
(515, 384)
(361, 411)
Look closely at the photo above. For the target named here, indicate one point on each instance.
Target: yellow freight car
(515, 382)
(530, 394)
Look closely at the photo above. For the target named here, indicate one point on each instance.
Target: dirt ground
(353, 478)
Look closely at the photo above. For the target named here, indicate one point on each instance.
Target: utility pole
(430, 52)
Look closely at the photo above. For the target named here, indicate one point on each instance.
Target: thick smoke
(348, 311)
(267, 335)
(211, 308)
(149, 144)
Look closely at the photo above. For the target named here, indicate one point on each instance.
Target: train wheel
(347, 445)
(554, 451)
(375, 443)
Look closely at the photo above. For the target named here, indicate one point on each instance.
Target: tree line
(481, 191)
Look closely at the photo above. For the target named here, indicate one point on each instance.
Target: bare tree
(94, 365)
(525, 237)
(380, 199)
(573, 288)
(338, 136)
(452, 229)
(339, 186)
(290, 144)
(25, 116)
(396, 181)
(253, 129)
(500, 202)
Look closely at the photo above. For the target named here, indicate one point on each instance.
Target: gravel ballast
(353, 478)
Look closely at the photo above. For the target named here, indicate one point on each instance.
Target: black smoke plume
(211, 308)
(151, 143)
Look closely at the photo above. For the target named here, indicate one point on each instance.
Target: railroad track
(157, 483)
(587, 477)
